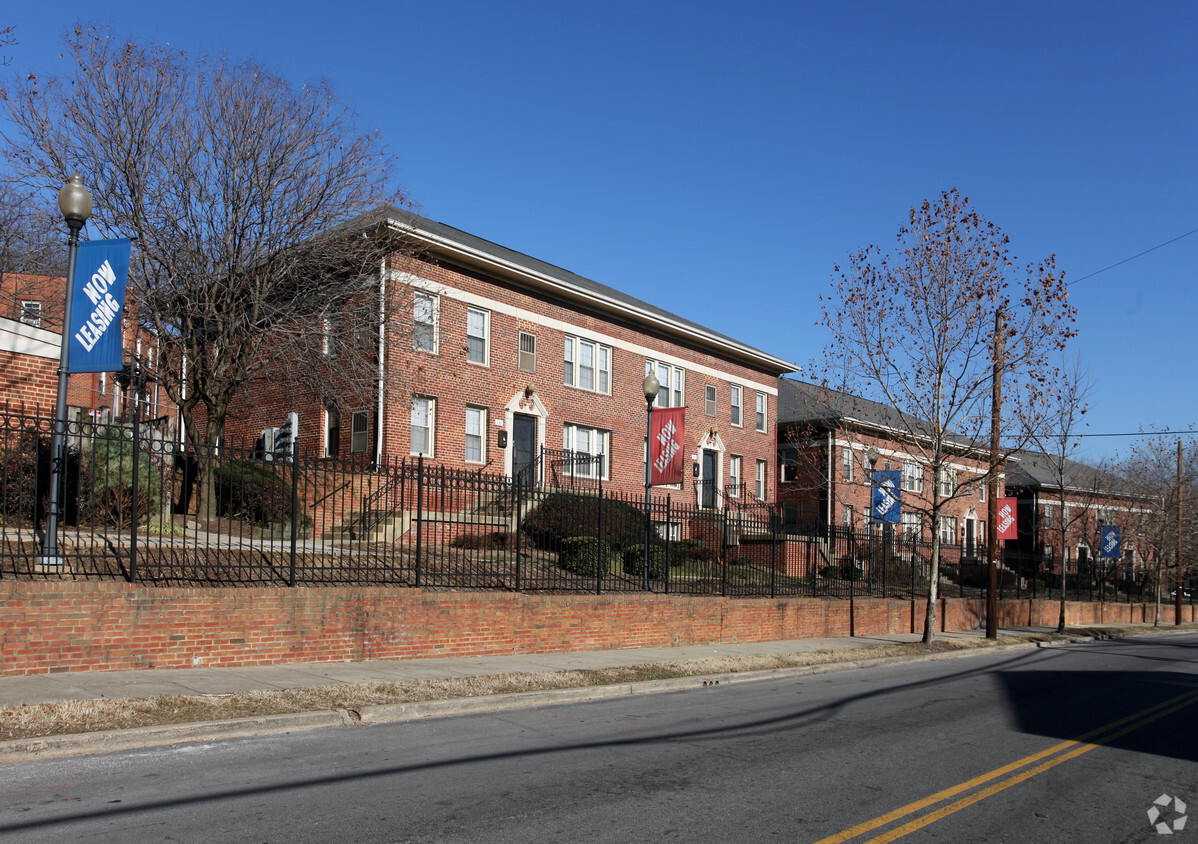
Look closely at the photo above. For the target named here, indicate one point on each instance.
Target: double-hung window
(737, 394)
(912, 476)
(734, 475)
(947, 481)
(590, 449)
(424, 411)
(587, 365)
(910, 525)
(476, 431)
(672, 380)
(359, 430)
(948, 530)
(424, 322)
(759, 480)
(709, 400)
(846, 464)
(761, 412)
(526, 359)
(478, 334)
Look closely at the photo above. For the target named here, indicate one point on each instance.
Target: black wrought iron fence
(141, 508)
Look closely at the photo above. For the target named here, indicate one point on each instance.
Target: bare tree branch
(913, 329)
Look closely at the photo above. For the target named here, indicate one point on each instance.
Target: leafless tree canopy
(31, 233)
(914, 327)
(229, 179)
(1152, 464)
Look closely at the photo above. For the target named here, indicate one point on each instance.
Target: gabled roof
(462, 248)
(1037, 471)
(804, 403)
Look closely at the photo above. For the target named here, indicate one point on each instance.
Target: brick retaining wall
(75, 626)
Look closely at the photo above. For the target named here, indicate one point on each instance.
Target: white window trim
(520, 352)
(486, 336)
(915, 476)
(354, 417)
(736, 404)
(761, 409)
(601, 355)
(736, 477)
(760, 479)
(430, 424)
(600, 445)
(674, 386)
(482, 433)
(435, 307)
(711, 403)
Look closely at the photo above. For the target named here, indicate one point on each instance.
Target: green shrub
(563, 514)
(586, 555)
(252, 491)
(110, 483)
(659, 561)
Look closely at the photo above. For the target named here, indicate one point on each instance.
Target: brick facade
(510, 298)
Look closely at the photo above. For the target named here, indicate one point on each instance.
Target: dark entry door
(707, 493)
(524, 448)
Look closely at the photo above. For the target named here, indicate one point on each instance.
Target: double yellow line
(1019, 770)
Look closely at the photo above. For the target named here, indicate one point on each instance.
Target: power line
(1190, 432)
(1132, 258)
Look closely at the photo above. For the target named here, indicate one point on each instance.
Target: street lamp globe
(650, 387)
(74, 201)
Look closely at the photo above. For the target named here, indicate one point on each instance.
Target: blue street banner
(97, 304)
(887, 490)
(1110, 541)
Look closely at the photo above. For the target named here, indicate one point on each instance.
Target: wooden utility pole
(992, 510)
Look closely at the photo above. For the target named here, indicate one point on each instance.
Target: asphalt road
(1059, 744)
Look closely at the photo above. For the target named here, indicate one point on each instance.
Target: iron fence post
(136, 491)
(518, 491)
(419, 514)
(295, 464)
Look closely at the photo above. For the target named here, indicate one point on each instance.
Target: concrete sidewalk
(128, 685)
(31, 689)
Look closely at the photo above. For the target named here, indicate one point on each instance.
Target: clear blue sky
(719, 159)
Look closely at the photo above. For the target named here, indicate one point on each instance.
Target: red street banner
(1007, 528)
(665, 446)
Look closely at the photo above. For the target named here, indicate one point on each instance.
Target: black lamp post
(649, 387)
(76, 205)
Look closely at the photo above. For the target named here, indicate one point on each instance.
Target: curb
(139, 738)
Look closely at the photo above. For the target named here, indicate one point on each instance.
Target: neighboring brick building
(493, 359)
(824, 438)
(1092, 498)
(30, 343)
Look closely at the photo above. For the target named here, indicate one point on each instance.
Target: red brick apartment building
(31, 319)
(824, 441)
(491, 358)
(1092, 498)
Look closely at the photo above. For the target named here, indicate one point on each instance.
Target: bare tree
(1153, 464)
(234, 185)
(1065, 403)
(916, 328)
